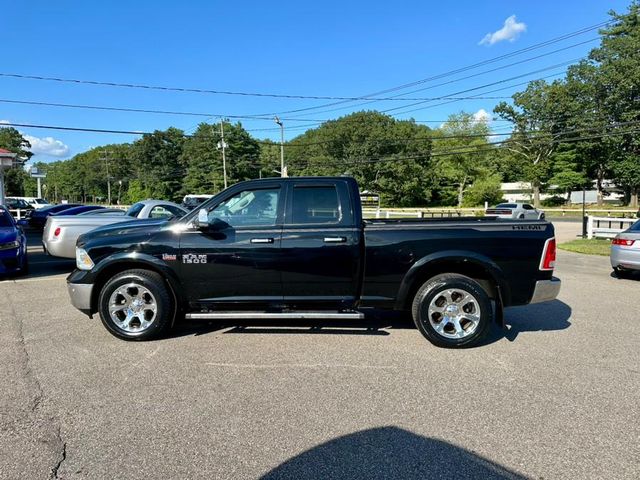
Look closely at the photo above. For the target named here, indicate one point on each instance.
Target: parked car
(13, 245)
(520, 211)
(14, 204)
(298, 248)
(192, 201)
(625, 250)
(78, 210)
(104, 211)
(35, 202)
(39, 216)
(61, 232)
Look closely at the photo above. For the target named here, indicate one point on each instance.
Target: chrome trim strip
(80, 294)
(275, 316)
(546, 290)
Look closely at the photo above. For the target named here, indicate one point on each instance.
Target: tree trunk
(600, 189)
(536, 194)
(633, 201)
(460, 194)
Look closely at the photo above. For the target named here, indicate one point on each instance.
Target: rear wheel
(452, 310)
(136, 305)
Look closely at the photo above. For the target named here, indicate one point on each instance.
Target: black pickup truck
(298, 248)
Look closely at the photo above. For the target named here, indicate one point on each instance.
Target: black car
(38, 217)
(298, 248)
(14, 204)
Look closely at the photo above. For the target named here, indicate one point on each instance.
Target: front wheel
(136, 305)
(452, 310)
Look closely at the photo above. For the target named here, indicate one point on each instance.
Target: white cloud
(510, 31)
(482, 116)
(47, 146)
(4, 122)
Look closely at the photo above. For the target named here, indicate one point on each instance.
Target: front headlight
(83, 260)
(10, 245)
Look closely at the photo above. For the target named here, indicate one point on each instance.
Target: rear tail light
(56, 232)
(548, 260)
(623, 242)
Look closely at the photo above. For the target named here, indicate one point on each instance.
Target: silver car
(61, 233)
(625, 250)
(520, 211)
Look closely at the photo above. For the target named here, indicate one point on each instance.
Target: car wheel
(542, 216)
(452, 310)
(521, 216)
(136, 305)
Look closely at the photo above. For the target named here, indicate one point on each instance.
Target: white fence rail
(607, 227)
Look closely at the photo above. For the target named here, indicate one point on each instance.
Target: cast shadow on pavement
(538, 317)
(374, 325)
(542, 317)
(388, 452)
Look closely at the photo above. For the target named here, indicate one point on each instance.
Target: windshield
(40, 201)
(506, 205)
(5, 219)
(135, 209)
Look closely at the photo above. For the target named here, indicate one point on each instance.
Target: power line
(196, 114)
(472, 66)
(455, 80)
(445, 137)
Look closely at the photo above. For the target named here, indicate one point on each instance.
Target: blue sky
(325, 48)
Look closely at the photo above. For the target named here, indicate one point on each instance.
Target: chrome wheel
(454, 313)
(132, 308)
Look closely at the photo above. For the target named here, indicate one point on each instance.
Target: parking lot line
(300, 365)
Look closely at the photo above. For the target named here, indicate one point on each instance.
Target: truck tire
(136, 305)
(452, 311)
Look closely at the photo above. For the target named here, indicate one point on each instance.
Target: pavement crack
(63, 456)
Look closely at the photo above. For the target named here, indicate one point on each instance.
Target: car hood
(8, 234)
(147, 226)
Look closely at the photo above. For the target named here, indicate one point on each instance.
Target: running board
(275, 316)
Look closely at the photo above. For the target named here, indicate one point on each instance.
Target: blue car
(77, 210)
(13, 245)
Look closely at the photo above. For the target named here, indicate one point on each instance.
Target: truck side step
(332, 315)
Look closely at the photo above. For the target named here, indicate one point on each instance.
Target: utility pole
(283, 171)
(223, 146)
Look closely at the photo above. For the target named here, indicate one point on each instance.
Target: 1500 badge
(193, 258)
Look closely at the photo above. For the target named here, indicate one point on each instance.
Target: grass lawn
(595, 246)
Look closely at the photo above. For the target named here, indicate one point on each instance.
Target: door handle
(335, 239)
(262, 240)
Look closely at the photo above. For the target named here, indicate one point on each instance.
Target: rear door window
(318, 205)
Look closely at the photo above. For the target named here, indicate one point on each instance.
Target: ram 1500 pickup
(299, 248)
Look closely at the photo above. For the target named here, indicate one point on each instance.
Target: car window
(635, 227)
(135, 209)
(5, 218)
(526, 206)
(257, 207)
(315, 205)
(506, 205)
(162, 211)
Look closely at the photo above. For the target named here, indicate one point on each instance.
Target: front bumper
(546, 290)
(11, 260)
(80, 294)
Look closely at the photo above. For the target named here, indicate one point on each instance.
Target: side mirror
(203, 219)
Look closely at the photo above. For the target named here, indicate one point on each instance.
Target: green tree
(537, 125)
(158, 163)
(484, 189)
(461, 149)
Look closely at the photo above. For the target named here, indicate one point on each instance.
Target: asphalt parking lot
(556, 395)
